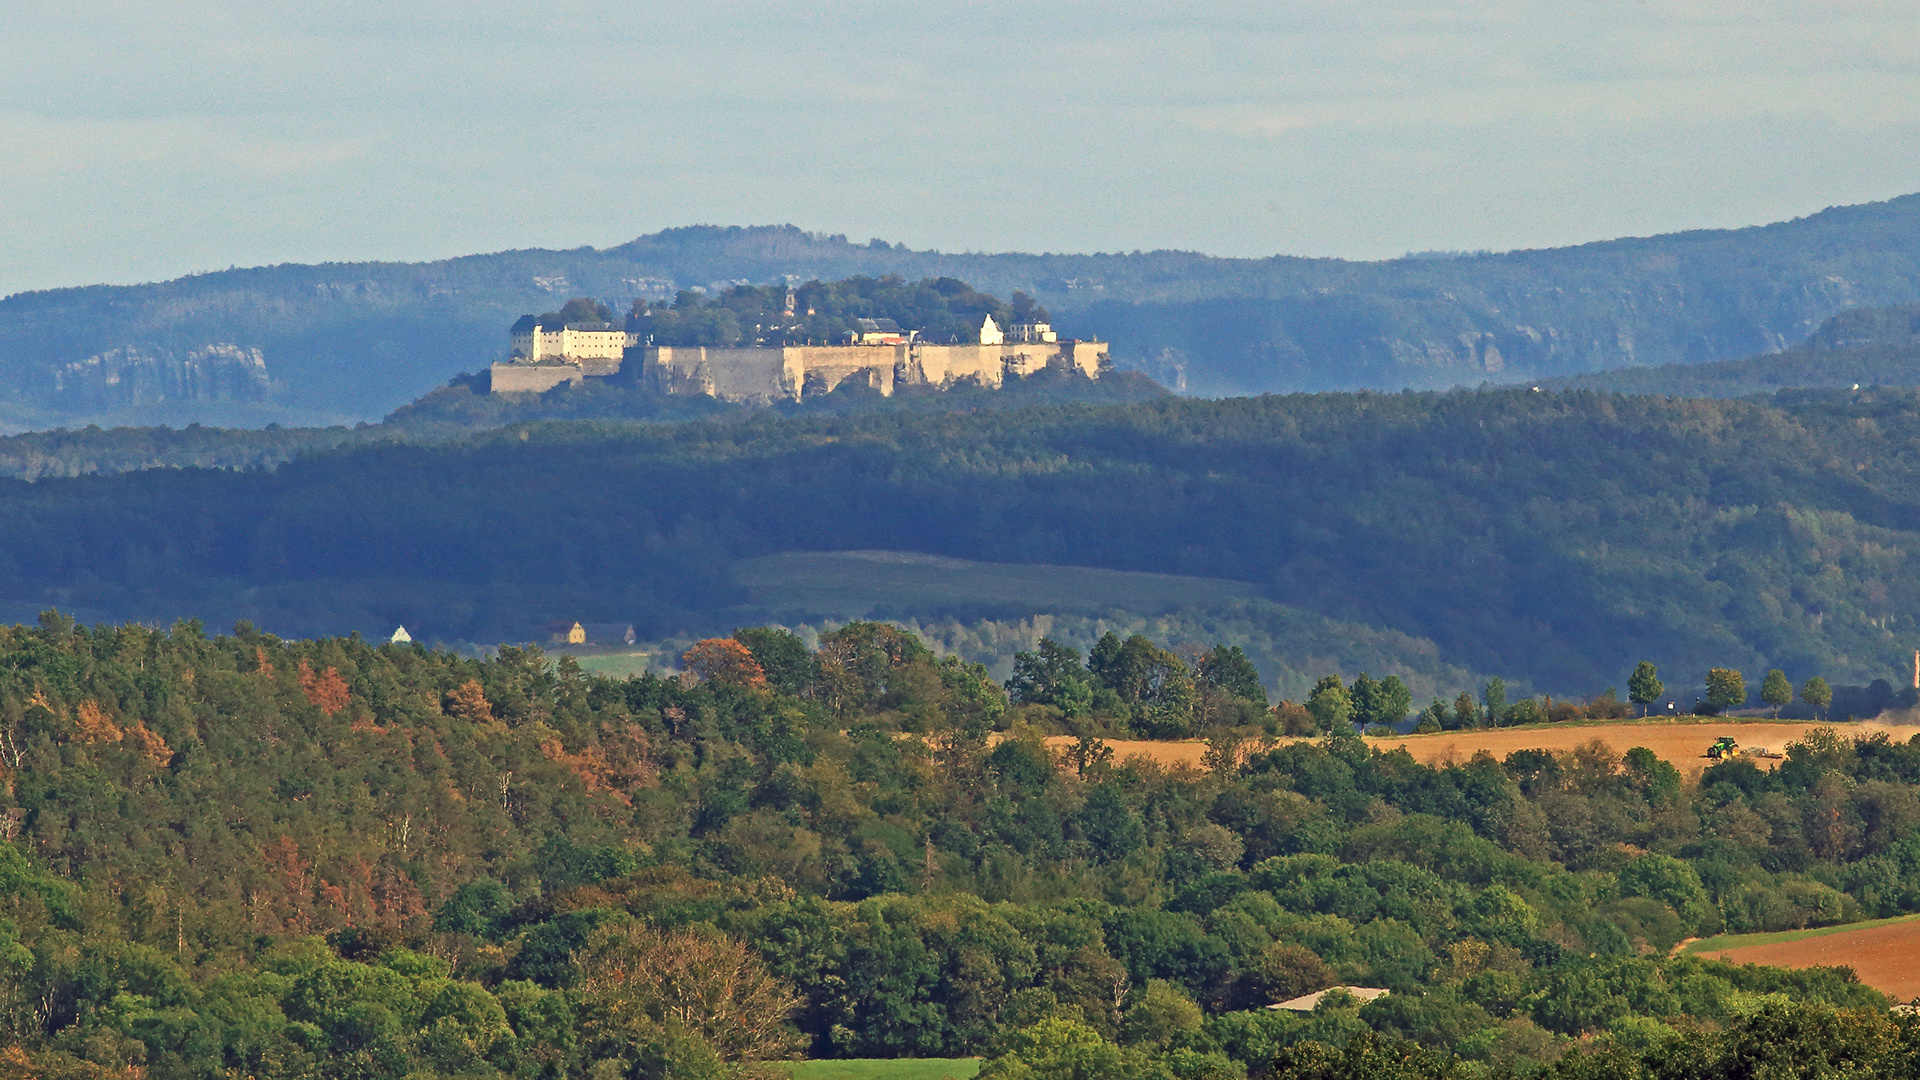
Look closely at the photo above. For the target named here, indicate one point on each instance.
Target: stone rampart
(757, 375)
(534, 378)
(825, 368)
(798, 371)
(944, 365)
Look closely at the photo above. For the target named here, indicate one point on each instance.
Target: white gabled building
(572, 342)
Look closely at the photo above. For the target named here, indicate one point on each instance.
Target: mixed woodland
(242, 855)
(1549, 538)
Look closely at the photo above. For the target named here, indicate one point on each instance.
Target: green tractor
(1723, 748)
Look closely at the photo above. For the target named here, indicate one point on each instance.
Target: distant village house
(569, 632)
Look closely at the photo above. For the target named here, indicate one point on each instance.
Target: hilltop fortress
(878, 355)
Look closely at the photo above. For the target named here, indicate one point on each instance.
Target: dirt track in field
(1886, 958)
(1682, 743)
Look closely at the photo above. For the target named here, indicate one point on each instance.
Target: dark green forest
(464, 407)
(1550, 538)
(248, 856)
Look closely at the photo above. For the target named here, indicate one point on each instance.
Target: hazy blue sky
(144, 140)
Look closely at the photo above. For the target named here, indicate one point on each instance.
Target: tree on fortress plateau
(724, 660)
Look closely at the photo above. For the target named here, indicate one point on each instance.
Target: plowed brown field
(1683, 743)
(1886, 958)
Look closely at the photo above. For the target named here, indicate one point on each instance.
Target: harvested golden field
(1885, 956)
(1187, 752)
(1681, 742)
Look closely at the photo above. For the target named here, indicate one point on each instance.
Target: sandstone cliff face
(149, 375)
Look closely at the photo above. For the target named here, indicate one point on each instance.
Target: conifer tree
(1466, 711)
(1496, 696)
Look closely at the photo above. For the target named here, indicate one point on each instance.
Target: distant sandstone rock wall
(152, 375)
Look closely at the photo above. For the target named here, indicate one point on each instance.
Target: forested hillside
(1549, 538)
(246, 856)
(319, 344)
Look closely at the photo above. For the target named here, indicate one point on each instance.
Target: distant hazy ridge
(353, 341)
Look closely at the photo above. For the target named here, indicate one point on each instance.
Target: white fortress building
(574, 342)
(880, 357)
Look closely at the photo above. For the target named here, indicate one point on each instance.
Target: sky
(145, 140)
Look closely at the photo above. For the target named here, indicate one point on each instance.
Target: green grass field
(887, 1069)
(854, 584)
(1736, 941)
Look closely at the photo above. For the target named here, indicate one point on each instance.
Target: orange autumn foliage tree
(149, 743)
(469, 702)
(632, 976)
(95, 725)
(724, 660)
(327, 690)
(619, 762)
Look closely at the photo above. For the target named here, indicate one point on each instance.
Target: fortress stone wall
(788, 373)
(797, 371)
(534, 378)
(729, 374)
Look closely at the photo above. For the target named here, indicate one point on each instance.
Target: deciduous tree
(1229, 671)
(636, 981)
(726, 662)
(1726, 689)
(1331, 706)
(1644, 686)
(1817, 693)
(1775, 690)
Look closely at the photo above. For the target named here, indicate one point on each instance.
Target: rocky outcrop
(1866, 327)
(149, 375)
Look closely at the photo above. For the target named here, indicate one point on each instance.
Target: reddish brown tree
(724, 660)
(469, 702)
(327, 690)
(95, 725)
